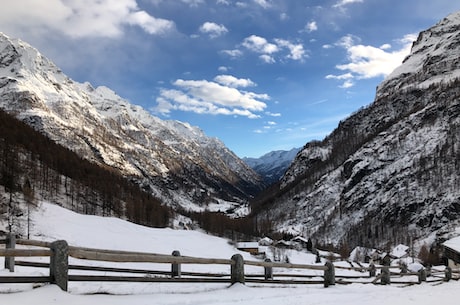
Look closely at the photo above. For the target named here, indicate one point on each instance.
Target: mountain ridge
(172, 160)
(272, 165)
(390, 170)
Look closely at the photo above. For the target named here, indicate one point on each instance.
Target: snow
(51, 222)
(453, 243)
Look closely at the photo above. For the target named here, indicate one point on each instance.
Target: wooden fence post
(59, 264)
(10, 244)
(385, 279)
(448, 274)
(372, 270)
(175, 268)
(237, 269)
(329, 274)
(268, 270)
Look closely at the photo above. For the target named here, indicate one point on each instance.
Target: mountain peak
(390, 170)
(173, 160)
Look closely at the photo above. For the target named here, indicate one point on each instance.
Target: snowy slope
(391, 170)
(173, 160)
(116, 234)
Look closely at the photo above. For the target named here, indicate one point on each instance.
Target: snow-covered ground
(51, 223)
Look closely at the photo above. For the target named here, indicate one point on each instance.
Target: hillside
(112, 233)
(171, 160)
(389, 172)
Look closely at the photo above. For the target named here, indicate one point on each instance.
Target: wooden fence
(59, 267)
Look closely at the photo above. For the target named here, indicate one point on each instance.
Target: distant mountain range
(272, 166)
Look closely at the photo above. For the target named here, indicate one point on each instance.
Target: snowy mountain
(391, 170)
(272, 165)
(172, 160)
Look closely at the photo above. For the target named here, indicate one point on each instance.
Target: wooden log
(105, 278)
(284, 265)
(143, 258)
(285, 282)
(24, 252)
(122, 270)
(24, 279)
(36, 243)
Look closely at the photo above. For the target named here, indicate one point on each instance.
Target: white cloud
(74, 18)
(284, 16)
(296, 51)
(263, 3)
(259, 45)
(223, 69)
(273, 114)
(366, 61)
(267, 59)
(193, 3)
(232, 53)
(150, 24)
(342, 3)
(233, 82)
(213, 29)
(347, 84)
(206, 97)
(267, 50)
(311, 27)
(340, 77)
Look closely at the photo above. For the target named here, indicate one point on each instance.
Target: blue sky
(260, 75)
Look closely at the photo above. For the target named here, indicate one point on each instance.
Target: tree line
(35, 166)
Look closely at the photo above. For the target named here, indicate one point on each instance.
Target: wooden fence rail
(59, 253)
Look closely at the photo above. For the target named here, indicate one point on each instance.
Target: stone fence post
(372, 270)
(175, 268)
(268, 270)
(448, 274)
(421, 275)
(385, 279)
(10, 244)
(329, 274)
(59, 264)
(237, 269)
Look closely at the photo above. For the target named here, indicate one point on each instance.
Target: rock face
(272, 166)
(392, 169)
(176, 162)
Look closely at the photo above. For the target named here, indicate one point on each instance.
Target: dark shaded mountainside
(169, 160)
(391, 170)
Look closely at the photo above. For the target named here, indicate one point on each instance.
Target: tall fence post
(329, 274)
(59, 264)
(268, 270)
(385, 279)
(10, 244)
(175, 267)
(372, 270)
(237, 269)
(448, 274)
(421, 275)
